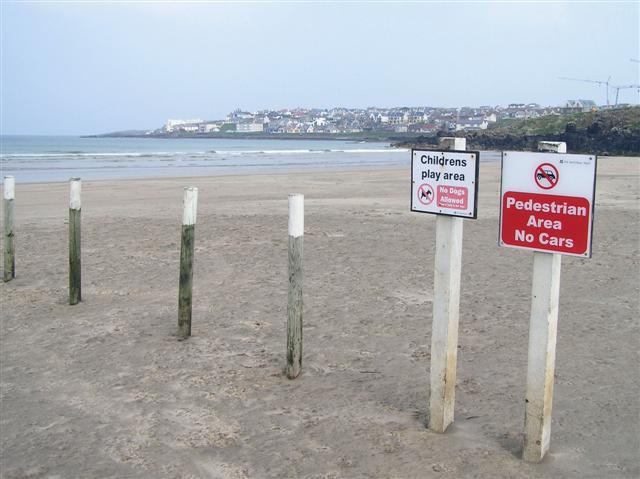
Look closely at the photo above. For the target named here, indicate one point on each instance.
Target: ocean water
(57, 158)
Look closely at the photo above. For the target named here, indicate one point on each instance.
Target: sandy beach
(105, 390)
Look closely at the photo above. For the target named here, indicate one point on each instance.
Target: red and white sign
(547, 202)
(455, 197)
(444, 182)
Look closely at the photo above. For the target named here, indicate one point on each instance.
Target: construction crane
(605, 83)
(617, 88)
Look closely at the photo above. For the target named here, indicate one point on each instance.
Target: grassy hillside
(607, 132)
(623, 118)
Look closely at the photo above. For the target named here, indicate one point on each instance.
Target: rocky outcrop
(609, 132)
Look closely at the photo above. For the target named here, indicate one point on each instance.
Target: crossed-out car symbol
(550, 175)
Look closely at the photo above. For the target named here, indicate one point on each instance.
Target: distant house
(580, 105)
(249, 127)
(396, 119)
(173, 125)
(208, 128)
(413, 117)
(472, 124)
(239, 115)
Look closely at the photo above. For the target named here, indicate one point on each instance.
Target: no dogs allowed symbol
(425, 194)
(546, 176)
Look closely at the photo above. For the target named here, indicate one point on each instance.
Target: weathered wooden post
(190, 205)
(75, 269)
(543, 326)
(446, 305)
(9, 215)
(294, 303)
(541, 360)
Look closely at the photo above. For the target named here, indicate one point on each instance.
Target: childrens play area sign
(444, 182)
(547, 202)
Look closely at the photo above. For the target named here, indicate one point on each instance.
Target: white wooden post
(187, 245)
(543, 326)
(75, 267)
(9, 215)
(446, 303)
(294, 300)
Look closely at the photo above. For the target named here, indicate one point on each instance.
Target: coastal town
(309, 121)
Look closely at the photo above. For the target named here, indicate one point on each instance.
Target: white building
(249, 127)
(472, 124)
(171, 125)
(583, 105)
(208, 128)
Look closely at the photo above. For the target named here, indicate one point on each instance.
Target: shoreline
(277, 171)
(267, 172)
(358, 138)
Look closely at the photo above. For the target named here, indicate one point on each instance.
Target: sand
(105, 389)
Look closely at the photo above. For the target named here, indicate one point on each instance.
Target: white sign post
(546, 206)
(445, 183)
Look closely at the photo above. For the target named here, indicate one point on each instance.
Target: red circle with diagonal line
(425, 194)
(546, 176)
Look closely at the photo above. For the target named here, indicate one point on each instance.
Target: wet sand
(105, 389)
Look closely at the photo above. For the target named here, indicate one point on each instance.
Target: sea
(32, 159)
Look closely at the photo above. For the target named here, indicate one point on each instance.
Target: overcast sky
(70, 68)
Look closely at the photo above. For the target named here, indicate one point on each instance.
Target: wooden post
(446, 303)
(75, 269)
(545, 296)
(190, 203)
(9, 215)
(543, 326)
(294, 303)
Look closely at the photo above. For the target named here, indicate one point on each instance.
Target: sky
(72, 68)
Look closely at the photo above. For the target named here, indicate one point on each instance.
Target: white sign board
(547, 202)
(445, 182)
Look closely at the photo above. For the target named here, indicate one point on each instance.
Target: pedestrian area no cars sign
(444, 182)
(547, 202)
